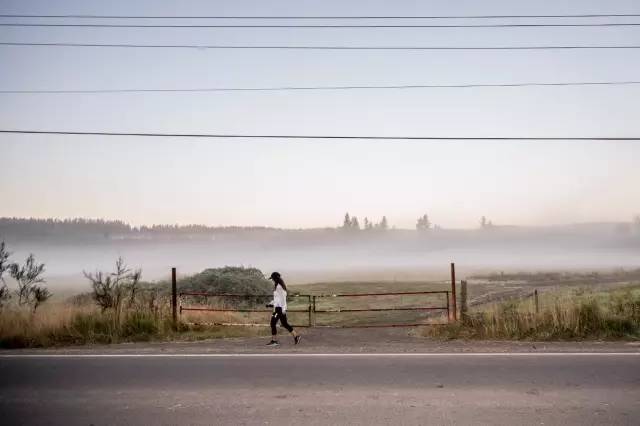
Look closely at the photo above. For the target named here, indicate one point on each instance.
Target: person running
(279, 305)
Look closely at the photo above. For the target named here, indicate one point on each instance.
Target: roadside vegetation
(573, 314)
(119, 307)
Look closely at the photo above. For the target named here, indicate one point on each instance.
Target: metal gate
(354, 310)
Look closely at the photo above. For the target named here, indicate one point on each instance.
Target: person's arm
(273, 301)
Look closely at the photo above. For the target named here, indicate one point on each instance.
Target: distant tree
(636, 224)
(346, 224)
(367, 224)
(485, 223)
(384, 225)
(27, 276)
(355, 225)
(423, 223)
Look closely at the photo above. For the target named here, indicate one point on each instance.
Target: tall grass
(567, 316)
(62, 325)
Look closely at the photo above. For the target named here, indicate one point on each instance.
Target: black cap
(274, 276)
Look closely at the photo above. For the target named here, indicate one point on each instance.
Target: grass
(576, 314)
(334, 307)
(63, 325)
(66, 324)
(568, 314)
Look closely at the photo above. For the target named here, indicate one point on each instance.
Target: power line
(304, 88)
(605, 24)
(283, 47)
(328, 137)
(609, 15)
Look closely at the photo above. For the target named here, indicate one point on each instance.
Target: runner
(279, 304)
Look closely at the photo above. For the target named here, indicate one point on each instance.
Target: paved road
(303, 389)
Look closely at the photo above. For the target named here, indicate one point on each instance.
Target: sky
(313, 183)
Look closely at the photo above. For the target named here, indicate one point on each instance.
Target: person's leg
(274, 331)
(285, 324)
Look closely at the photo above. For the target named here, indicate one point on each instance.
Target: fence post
(309, 307)
(174, 299)
(448, 309)
(314, 312)
(464, 308)
(535, 295)
(454, 305)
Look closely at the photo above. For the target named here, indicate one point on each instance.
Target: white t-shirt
(279, 298)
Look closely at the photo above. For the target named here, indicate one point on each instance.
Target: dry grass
(78, 321)
(568, 315)
(19, 327)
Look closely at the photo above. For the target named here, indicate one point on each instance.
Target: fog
(305, 256)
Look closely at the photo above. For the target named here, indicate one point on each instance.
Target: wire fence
(353, 310)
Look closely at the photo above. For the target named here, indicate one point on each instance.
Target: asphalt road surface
(308, 389)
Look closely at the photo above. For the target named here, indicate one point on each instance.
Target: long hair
(280, 281)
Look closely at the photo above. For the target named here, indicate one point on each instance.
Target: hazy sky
(312, 183)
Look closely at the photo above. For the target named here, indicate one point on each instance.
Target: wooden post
(448, 309)
(314, 312)
(464, 308)
(454, 304)
(535, 295)
(174, 298)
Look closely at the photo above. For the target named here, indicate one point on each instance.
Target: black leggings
(279, 315)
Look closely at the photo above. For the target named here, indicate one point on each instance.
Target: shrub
(228, 280)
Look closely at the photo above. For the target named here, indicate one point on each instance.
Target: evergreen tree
(483, 222)
(347, 221)
(423, 223)
(355, 225)
(384, 225)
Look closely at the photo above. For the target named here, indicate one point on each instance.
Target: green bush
(229, 279)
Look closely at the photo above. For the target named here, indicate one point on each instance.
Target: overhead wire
(339, 26)
(91, 16)
(323, 88)
(326, 137)
(333, 47)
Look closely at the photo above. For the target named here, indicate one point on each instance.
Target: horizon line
(435, 226)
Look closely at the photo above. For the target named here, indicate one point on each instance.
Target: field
(572, 306)
(570, 314)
